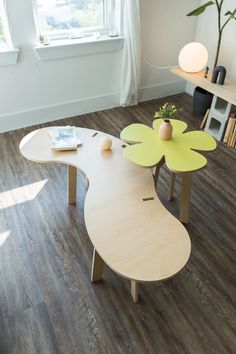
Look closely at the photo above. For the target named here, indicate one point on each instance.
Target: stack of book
(64, 138)
(230, 132)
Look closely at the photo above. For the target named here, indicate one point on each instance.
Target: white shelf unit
(223, 100)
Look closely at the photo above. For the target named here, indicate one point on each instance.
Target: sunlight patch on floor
(3, 236)
(21, 195)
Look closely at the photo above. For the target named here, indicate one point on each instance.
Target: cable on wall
(157, 66)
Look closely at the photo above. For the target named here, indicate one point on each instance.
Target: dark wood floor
(47, 303)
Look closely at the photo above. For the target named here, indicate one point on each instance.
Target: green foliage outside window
(83, 14)
(90, 18)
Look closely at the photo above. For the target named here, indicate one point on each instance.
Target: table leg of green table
(156, 171)
(172, 186)
(185, 196)
(72, 172)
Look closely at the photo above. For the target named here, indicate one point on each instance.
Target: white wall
(206, 33)
(35, 91)
(165, 30)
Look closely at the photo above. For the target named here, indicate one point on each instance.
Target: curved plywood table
(130, 229)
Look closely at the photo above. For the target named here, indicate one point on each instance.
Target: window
(5, 39)
(8, 54)
(2, 36)
(70, 18)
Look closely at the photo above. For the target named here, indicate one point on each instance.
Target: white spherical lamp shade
(193, 57)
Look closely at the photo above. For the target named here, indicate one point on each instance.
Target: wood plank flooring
(47, 303)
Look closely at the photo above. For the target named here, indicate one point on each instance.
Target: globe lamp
(193, 57)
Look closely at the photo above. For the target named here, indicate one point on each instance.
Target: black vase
(201, 101)
(219, 71)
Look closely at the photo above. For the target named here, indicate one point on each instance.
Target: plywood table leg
(172, 186)
(156, 174)
(72, 172)
(97, 267)
(134, 290)
(156, 171)
(185, 196)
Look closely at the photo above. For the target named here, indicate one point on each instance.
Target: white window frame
(76, 33)
(6, 30)
(8, 54)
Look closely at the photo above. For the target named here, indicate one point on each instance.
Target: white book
(64, 138)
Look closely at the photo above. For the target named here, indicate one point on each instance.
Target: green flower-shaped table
(178, 153)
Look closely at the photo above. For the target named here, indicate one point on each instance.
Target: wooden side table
(148, 150)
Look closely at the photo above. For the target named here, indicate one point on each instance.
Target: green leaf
(231, 14)
(200, 9)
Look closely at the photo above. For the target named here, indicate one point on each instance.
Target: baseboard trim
(50, 113)
(46, 114)
(161, 90)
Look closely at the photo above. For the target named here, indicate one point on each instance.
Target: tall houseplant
(231, 15)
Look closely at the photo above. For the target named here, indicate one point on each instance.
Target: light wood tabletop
(130, 229)
(227, 91)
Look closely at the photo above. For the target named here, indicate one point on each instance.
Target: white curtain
(131, 65)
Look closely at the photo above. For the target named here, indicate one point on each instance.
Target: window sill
(78, 47)
(8, 56)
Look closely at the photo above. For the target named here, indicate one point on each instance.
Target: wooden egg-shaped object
(105, 143)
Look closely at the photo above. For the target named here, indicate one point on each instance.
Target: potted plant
(230, 15)
(167, 111)
(202, 99)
